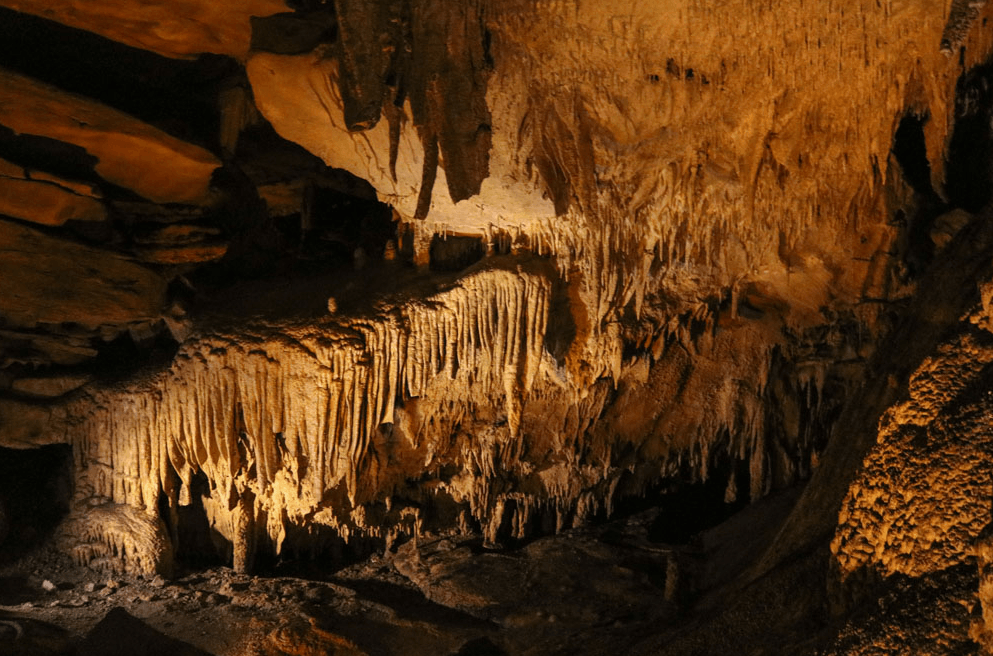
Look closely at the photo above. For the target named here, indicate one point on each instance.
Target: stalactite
(245, 412)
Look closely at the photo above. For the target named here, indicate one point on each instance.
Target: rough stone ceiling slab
(178, 28)
(44, 202)
(130, 153)
(53, 280)
(300, 96)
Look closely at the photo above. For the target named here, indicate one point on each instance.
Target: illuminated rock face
(449, 409)
(300, 426)
(738, 142)
(128, 152)
(685, 228)
(175, 29)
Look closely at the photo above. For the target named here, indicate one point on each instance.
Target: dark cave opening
(910, 151)
(35, 492)
(693, 508)
(347, 228)
(454, 252)
(970, 149)
(196, 545)
(132, 351)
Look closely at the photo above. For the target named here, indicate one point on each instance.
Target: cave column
(244, 534)
(422, 246)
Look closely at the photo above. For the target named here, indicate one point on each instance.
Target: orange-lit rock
(180, 243)
(45, 199)
(185, 254)
(922, 496)
(130, 153)
(49, 386)
(26, 425)
(175, 29)
(55, 280)
(479, 380)
(297, 638)
(727, 150)
(300, 96)
(702, 254)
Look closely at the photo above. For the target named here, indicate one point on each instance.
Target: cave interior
(496, 327)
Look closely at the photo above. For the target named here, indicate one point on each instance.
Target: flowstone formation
(449, 410)
(301, 278)
(299, 426)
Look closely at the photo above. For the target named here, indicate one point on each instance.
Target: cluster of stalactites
(282, 419)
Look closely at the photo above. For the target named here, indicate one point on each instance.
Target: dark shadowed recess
(34, 496)
(967, 170)
(454, 253)
(910, 150)
(122, 634)
(687, 509)
(970, 150)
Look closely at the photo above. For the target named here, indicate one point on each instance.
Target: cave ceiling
(357, 270)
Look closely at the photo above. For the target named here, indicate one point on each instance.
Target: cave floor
(601, 589)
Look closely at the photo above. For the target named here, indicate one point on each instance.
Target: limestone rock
(43, 349)
(299, 95)
(49, 386)
(179, 29)
(924, 514)
(283, 198)
(106, 531)
(130, 153)
(700, 204)
(182, 254)
(573, 578)
(176, 234)
(180, 243)
(45, 199)
(608, 151)
(921, 496)
(26, 425)
(981, 630)
(947, 226)
(54, 280)
(461, 379)
(923, 615)
(303, 638)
